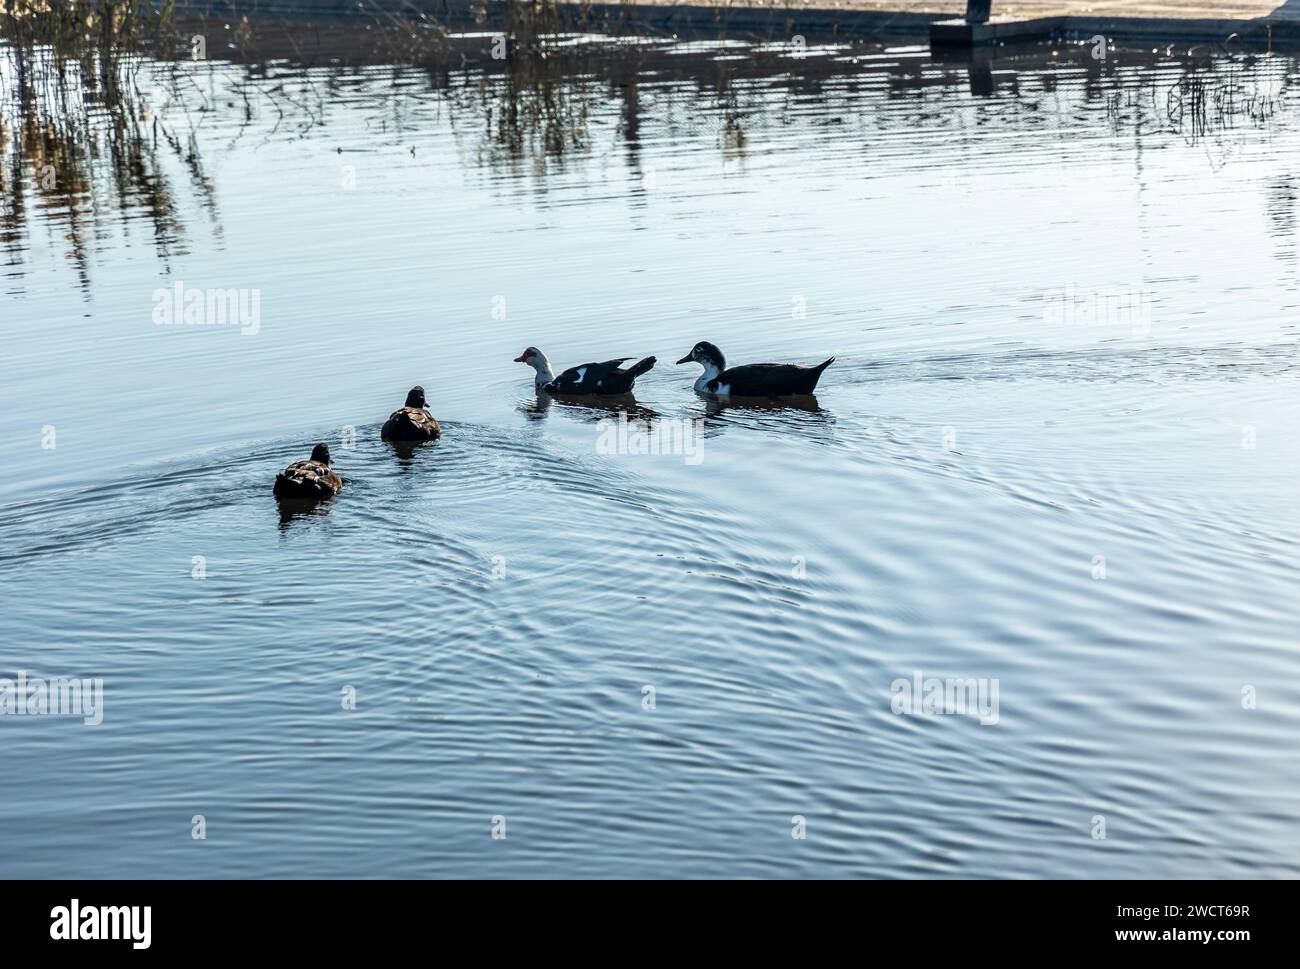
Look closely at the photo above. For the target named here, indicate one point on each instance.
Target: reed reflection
(93, 137)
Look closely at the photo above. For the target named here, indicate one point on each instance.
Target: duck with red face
(609, 378)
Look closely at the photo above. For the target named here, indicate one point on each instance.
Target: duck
(608, 378)
(753, 379)
(412, 421)
(313, 478)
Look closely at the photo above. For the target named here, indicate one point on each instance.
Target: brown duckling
(411, 422)
(313, 478)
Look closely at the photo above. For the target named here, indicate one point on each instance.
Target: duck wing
(587, 378)
(307, 479)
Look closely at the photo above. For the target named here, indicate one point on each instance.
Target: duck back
(410, 424)
(769, 380)
(608, 378)
(307, 479)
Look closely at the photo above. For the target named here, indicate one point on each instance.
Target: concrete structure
(1159, 21)
(1171, 19)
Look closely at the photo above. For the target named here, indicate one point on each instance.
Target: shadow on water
(583, 408)
(297, 509)
(803, 414)
(408, 453)
(805, 402)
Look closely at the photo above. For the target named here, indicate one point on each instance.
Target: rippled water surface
(1096, 511)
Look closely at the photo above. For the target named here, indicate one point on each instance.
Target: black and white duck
(753, 379)
(609, 377)
(411, 422)
(313, 478)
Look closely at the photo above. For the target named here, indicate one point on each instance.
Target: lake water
(1057, 455)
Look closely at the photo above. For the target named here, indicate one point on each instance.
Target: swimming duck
(751, 380)
(309, 479)
(590, 378)
(411, 422)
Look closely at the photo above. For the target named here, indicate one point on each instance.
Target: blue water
(1098, 513)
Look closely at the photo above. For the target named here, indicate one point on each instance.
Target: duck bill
(685, 359)
(519, 359)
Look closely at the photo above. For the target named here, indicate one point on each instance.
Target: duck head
(416, 398)
(537, 360)
(708, 356)
(321, 454)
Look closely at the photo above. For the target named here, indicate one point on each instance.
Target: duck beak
(685, 359)
(519, 359)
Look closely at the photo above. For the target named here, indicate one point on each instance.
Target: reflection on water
(86, 143)
(407, 452)
(1093, 509)
(293, 509)
(785, 406)
(588, 408)
(79, 141)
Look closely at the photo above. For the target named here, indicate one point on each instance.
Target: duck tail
(637, 369)
(815, 374)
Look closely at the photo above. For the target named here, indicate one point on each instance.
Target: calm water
(1098, 513)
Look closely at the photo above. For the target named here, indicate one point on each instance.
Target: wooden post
(977, 11)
